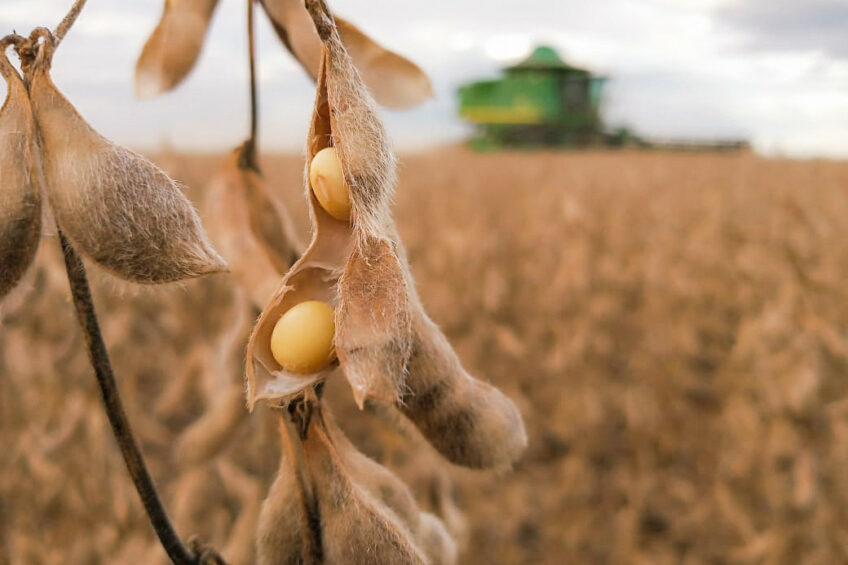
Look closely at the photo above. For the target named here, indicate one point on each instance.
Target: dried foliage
(679, 356)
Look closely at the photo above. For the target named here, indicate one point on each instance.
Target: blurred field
(674, 329)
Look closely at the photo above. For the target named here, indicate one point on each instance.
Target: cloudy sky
(772, 71)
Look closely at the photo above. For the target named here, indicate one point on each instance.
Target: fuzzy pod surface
(356, 527)
(357, 510)
(115, 206)
(367, 340)
(387, 347)
(252, 231)
(20, 199)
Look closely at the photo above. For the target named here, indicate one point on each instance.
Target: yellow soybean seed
(327, 182)
(302, 340)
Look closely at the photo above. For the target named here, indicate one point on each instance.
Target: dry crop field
(673, 327)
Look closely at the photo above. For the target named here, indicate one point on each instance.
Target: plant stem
(68, 20)
(133, 458)
(250, 146)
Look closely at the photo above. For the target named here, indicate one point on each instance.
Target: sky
(774, 72)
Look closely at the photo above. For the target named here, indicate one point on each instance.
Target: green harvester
(540, 101)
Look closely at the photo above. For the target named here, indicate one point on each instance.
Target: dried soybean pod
(172, 49)
(355, 527)
(430, 533)
(470, 422)
(279, 534)
(384, 485)
(253, 233)
(373, 339)
(289, 529)
(396, 82)
(373, 321)
(382, 330)
(114, 205)
(20, 198)
(380, 321)
(313, 277)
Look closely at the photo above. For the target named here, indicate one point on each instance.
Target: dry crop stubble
(672, 326)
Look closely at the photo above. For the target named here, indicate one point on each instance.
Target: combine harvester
(543, 102)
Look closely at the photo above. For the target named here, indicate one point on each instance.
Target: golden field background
(673, 327)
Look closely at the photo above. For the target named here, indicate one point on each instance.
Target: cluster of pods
(349, 304)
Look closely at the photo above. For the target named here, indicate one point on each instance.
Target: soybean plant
(322, 506)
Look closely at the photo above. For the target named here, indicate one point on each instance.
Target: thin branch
(68, 20)
(133, 458)
(249, 153)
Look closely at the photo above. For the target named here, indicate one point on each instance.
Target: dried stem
(133, 458)
(325, 25)
(68, 21)
(249, 153)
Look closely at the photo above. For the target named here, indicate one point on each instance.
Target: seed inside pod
(327, 181)
(302, 340)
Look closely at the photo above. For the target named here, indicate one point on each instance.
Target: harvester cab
(539, 101)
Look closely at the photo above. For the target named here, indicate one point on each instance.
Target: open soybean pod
(20, 198)
(395, 82)
(115, 206)
(372, 334)
(172, 50)
(253, 233)
(388, 348)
